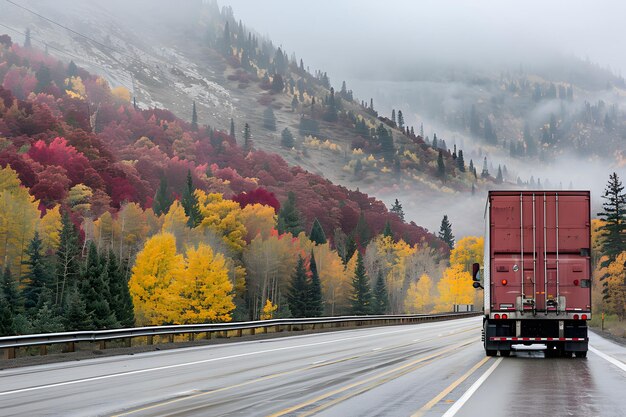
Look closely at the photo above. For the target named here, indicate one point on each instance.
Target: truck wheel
(491, 352)
(581, 354)
(505, 353)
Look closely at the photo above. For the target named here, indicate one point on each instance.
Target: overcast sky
(342, 36)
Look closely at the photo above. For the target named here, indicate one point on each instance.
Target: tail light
(575, 316)
(576, 282)
(496, 316)
(584, 317)
(505, 316)
(504, 282)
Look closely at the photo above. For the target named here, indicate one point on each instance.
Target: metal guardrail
(11, 343)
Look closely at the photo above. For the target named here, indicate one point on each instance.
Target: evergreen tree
(37, 276)
(460, 162)
(278, 85)
(380, 303)
(299, 291)
(349, 249)
(289, 217)
(194, 117)
(162, 199)
(67, 261)
(72, 69)
(317, 233)
(441, 167)
(6, 318)
(95, 290)
(287, 139)
(47, 320)
(393, 116)
(232, 128)
(362, 231)
(315, 307)
(397, 209)
(485, 172)
(361, 297)
(614, 228)
(471, 165)
(385, 140)
(445, 232)
(294, 103)
(490, 134)
(269, 119)
(499, 177)
(387, 232)
(10, 292)
(76, 316)
(247, 138)
(120, 300)
(27, 41)
(435, 142)
(189, 202)
(400, 119)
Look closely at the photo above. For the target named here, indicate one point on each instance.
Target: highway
(429, 369)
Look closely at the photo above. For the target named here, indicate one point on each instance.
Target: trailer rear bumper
(539, 339)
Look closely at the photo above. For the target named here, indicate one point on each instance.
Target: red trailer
(537, 271)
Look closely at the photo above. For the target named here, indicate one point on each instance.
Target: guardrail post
(9, 353)
(208, 335)
(103, 344)
(128, 342)
(192, 337)
(70, 347)
(43, 350)
(149, 340)
(170, 338)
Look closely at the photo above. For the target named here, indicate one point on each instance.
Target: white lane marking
(621, 365)
(378, 348)
(160, 368)
(416, 340)
(461, 401)
(318, 362)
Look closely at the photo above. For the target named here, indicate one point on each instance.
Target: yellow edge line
(449, 389)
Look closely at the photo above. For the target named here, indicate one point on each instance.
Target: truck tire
(581, 354)
(491, 352)
(505, 353)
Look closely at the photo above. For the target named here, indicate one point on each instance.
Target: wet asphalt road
(413, 370)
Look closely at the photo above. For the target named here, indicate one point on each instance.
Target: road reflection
(556, 387)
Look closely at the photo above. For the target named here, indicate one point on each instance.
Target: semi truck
(536, 274)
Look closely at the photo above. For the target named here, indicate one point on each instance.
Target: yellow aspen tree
(223, 217)
(615, 274)
(336, 283)
(419, 296)
(203, 288)
(132, 229)
(455, 287)
(175, 222)
(103, 231)
(121, 93)
(79, 197)
(50, 229)
(467, 251)
(258, 219)
(268, 310)
(150, 284)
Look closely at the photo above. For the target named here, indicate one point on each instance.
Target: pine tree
(485, 172)
(194, 117)
(393, 116)
(349, 249)
(441, 167)
(380, 303)
(67, 261)
(247, 138)
(614, 228)
(47, 320)
(435, 142)
(76, 316)
(445, 232)
(27, 41)
(120, 300)
(397, 209)
(400, 119)
(38, 275)
(315, 307)
(6, 318)
(299, 291)
(471, 165)
(162, 200)
(387, 232)
(190, 203)
(317, 233)
(287, 139)
(460, 162)
(269, 119)
(361, 297)
(362, 231)
(499, 177)
(95, 290)
(232, 128)
(289, 217)
(10, 292)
